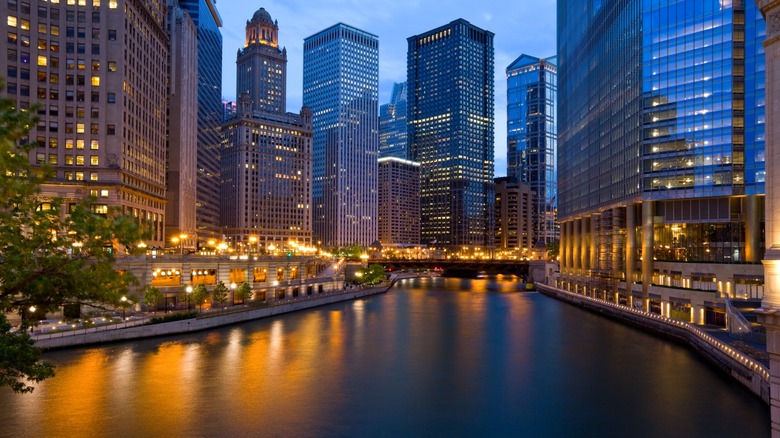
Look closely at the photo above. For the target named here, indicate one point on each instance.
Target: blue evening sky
(520, 26)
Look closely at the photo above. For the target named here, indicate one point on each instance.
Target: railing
(61, 333)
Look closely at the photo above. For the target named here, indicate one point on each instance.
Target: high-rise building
(532, 137)
(99, 75)
(514, 216)
(210, 113)
(261, 67)
(266, 161)
(399, 201)
(450, 120)
(341, 86)
(392, 124)
(661, 152)
(181, 178)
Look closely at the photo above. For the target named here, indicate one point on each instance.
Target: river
(432, 357)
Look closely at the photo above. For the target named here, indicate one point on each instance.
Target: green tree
(49, 256)
(243, 292)
(152, 297)
(553, 249)
(185, 296)
(220, 294)
(199, 296)
(374, 274)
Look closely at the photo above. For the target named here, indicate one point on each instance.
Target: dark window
(96, 49)
(11, 72)
(111, 97)
(111, 129)
(111, 34)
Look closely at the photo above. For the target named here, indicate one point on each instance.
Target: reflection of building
(514, 215)
(450, 119)
(399, 201)
(341, 86)
(266, 160)
(209, 73)
(661, 153)
(392, 124)
(532, 137)
(102, 90)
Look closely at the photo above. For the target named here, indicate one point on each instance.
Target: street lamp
(124, 300)
(32, 310)
(272, 248)
(233, 291)
(364, 260)
(188, 289)
(253, 241)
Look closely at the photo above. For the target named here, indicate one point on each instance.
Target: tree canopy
(52, 253)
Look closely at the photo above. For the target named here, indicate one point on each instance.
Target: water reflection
(435, 356)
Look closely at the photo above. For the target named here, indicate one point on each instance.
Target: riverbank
(204, 321)
(747, 371)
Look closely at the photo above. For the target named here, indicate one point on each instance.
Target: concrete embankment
(203, 322)
(746, 370)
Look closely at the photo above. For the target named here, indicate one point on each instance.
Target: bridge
(459, 268)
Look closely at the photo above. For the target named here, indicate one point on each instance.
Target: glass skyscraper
(392, 124)
(341, 86)
(206, 17)
(661, 152)
(532, 138)
(450, 118)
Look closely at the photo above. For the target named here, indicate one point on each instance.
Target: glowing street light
(253, 241)
(188, 289)
(124, 300)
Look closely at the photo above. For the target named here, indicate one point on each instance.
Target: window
(24, 41)
(79, 160)
(79, 176)
(41, 93)
(69, 128)
(42, 28)
(25, 74)
(68, 175)
(80, 80)
(11, 21)
(93, 176)
(111, 97)
(80, 111)
(94, 128)
(43, 12)
(24, 90)
(96, 49)
(68, 144)
(95, 95)
(42, 44)
(42, 60)
(69, 95)
(95, 81)
(54, 62)
(104, 193)
(112, 4)
(70, 48)
(55, 30)
(11, 72)
(94, 145)
(54, 110)
(53, 159)
(95, 112)
(25, 24)
(82, 65)
(40, 158)
(111, 66)
(94, 160)
(95, 65)
(24, 58)
(112, 34)
(80, 143)
(111, 129)
(12, 54)
(11, 88)
(68, 160)
(81, 32)
(79, 128)
(69, 80)
(96, 17)
(41, 76)
(54, 46)
(54, 78)
(12, 37)
(53, 143)
(81, 48)
(70, 64)
(95, 3)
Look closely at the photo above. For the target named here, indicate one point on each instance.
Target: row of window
(70, 160)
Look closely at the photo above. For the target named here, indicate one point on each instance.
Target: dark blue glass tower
(392, 125)
(450, 111)
(205, 15)
(532, 137)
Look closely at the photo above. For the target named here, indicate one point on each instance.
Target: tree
(220, 293)
(553, 249)
(374, 274)
(152, 297)
(185, 295)
(49, 256)
(199, 296)
(243, 292)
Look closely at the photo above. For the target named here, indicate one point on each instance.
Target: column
(585, 243)
(630, 250)
(562, 248)
(576, 244)
(752, 229)
(594, 240)
(617, 253)
(569, 242)
(648, 213)
(770, 304)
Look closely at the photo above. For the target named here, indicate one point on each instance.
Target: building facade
(266, 159)
(261, 67)
(99, 74)
(399, 202)
(392, 125)
(532, 137)
(207, 208)
(450, 132)
(181, 165)
(661, 153)
(514, 217)
(341, 86)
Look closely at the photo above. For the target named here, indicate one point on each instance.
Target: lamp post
(233, 291)
(271, 248)
(253, 241)
(188, 289)
(32, 310)
(124, 300)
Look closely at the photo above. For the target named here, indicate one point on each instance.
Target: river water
(432, 357)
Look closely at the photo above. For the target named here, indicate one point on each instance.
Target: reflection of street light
(124, 300)
(188, 289)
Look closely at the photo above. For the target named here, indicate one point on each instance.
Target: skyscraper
(450, 120)
(181, 165)
(261, 67)
(399, 201)
(99, 73)
(532, 137)
(514, 213)
(266, 157)
(392, 124)
(206, 17)
(661, 152)
(341, 86)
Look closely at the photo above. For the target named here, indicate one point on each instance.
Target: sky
(520, 27)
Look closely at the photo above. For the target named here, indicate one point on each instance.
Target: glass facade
(206, 17)
(532, 137)
(450, 75)
(392, 125)
(341, 86)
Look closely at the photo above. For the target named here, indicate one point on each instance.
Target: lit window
(79, 128)
(112, 4)
(93, 176)
(94, 160)
(80, 143)
(42, 60)
(25, 24)
(104, 193)
(53, 159)
(96, 3)
(69, 160)
(94, 145)
(111, 66)
(12, 21)
(79, 160)
(95, 81)
(79, 176)
(68, 144)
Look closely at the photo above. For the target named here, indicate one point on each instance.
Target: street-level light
(188, 289)
(253, 241)
(124, 300)
(233, 290)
